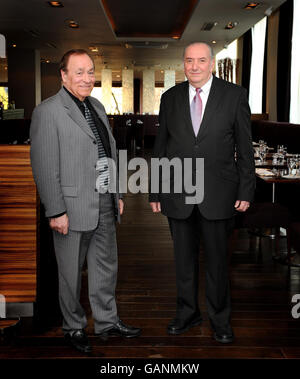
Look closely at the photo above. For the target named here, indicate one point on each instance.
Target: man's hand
(121, 206)
(60, 224)
(241, 205)
(155, 207)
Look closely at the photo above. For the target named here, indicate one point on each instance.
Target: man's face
(79, 77)
(198, 64)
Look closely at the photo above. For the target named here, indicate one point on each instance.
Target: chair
(121, 133)
(264, 215)
(295, 241)
(8, 330)
(139, 136)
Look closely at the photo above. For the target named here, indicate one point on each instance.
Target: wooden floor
(261, 302)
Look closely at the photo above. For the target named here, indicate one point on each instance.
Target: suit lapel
(74, 112)
(214, 97)
(185, 101)
(102, 115)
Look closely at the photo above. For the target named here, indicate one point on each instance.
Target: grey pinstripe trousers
(99, 247)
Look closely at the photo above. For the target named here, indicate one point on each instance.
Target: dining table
(269, 176)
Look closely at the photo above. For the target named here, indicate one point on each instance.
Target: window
(257, 66)
(227, 69)
(4, 96)
(295, 67)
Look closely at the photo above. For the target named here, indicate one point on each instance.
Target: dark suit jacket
(225, 128)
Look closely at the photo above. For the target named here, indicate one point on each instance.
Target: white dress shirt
(203, 94)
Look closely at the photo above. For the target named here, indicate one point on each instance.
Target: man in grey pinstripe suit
(71, 145)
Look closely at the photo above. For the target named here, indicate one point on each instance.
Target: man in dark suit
(204, 117)
(71, 147)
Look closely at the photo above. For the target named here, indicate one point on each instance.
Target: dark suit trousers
(186, 239)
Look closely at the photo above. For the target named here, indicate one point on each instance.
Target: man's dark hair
(63, 64)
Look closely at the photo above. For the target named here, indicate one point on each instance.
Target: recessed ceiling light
(14, 45)
(47, 61)
(94, 49)
(73, 24)
(213, 42)
(231, 25)
(251, 5)
(176, 37)
(55, 4)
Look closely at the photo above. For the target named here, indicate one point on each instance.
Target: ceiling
(33, 24)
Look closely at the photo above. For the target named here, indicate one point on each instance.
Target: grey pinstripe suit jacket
(63, 159)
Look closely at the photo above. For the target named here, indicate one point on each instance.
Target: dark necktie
(102, 164)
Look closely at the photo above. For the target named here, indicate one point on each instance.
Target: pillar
(271, 88)
(127, 92)
(37, 78)
(24, 79)
(106, 84)
(2, 46)
(169, 80)
(50, 78)
(148, 91)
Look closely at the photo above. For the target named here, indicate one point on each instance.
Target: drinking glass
(275, 159)
(292, 166)
(262, 152)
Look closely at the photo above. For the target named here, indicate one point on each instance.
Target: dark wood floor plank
(203, 352)
(198, 339)
(291, 352)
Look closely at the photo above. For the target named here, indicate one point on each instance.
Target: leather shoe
(224, 338)
(176, 327)
(120, 329)
(79, 340)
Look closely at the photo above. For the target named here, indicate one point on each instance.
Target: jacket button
(96, 190)
(95, 142)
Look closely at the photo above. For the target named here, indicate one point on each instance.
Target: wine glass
(262, 152)
(292, 166)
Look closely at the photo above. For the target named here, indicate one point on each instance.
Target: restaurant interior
(137, 47)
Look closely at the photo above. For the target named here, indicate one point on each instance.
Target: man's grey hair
(211, 52)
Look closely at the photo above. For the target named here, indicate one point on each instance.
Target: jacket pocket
(69, 191)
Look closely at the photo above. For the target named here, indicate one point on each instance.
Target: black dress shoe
(176, 326)
(79, 340)
(120, 329)
(224, 338)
